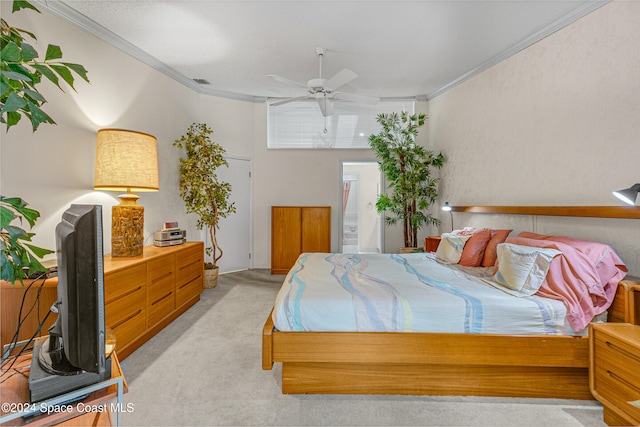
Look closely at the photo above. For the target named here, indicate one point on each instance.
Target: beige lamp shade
(126, 161)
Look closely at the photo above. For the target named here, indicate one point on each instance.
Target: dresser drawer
(125, 303)
(126, 317)
(160, 288)
(617, 372)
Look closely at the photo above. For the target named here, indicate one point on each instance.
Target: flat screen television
(73, 355)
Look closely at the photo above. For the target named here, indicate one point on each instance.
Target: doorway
(361, 225)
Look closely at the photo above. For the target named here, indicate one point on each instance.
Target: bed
(548, 360)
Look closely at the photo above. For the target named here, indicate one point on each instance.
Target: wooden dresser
(614, 353)
(298, 229)
(142, 295)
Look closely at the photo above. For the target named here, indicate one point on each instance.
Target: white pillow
(522, 269)
(450, 247)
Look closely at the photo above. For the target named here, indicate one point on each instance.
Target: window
(300, 124)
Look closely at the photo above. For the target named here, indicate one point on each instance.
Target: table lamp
(126, 161)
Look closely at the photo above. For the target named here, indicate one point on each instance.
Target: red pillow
(473, 251)
(491, 251)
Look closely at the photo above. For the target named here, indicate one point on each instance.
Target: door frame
(381, 227)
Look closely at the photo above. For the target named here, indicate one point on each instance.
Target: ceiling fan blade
(325, 106)
(340, 79)
(286, 101)
(287, 81)
(352, 97)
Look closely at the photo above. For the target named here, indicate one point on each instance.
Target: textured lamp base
(127, 228)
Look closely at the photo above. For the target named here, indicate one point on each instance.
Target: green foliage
(17, 257)
(407, 169)
(21, 71)
(203, 193)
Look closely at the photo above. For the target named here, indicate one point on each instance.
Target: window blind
(300, 124)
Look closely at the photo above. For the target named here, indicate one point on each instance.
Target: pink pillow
(491, 251)
(474, 248)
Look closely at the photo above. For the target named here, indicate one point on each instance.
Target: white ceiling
(397, 48)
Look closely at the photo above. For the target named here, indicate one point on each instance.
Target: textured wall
(556, 124)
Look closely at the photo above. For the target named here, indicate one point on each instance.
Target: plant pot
(211, 277)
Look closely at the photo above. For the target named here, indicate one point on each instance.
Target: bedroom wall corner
(555, 124)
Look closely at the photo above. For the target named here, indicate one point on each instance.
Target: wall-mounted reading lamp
(628, 195)
(447, 208)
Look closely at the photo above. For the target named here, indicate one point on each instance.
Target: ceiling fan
(323, 90)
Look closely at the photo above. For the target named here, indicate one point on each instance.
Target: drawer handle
(161, 298)
(157, 279)
(623, 381)
(126, 294)
(198, 261)
(622, 350)
(189, 282)
(126, 319)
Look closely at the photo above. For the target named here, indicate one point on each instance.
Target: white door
(234, 234)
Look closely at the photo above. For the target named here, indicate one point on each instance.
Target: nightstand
(614, 373)
(431, 243)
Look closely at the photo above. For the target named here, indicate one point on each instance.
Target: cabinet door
(316, 229)
(285, 237)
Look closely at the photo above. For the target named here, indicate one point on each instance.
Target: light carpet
(205, 369)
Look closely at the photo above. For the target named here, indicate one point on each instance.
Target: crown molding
(582, 8)
(64, 11)
(61, 9)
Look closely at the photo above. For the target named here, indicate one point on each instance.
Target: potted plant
(203, 193)
(21, 73)
(407, 169)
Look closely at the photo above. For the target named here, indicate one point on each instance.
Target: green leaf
(11, 52)
(45, 71)
(38, 116)
(39, 252)
(12, 75)
(53, 52)
(14, 103)
(64, 73)
(28, 52)
(79, 70)
(12, 118)
(22, 4)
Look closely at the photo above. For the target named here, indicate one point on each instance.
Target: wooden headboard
(630, 212)
(626, 307)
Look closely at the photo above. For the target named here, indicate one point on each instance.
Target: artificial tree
(20, 73)
(202, 191)
(407, 169)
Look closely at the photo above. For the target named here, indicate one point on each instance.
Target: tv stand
(43, 385)
(89, 405)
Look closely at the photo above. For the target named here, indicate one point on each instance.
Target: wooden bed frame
(443, 363)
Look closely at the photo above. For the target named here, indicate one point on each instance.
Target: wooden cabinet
(144, 294)
(431, 243)
(614, 374)
(298, 229)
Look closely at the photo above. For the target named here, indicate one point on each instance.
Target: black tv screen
(74, 353)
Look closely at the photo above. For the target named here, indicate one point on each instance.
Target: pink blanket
(585, 276)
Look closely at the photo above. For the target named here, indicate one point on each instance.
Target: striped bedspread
(406, 293)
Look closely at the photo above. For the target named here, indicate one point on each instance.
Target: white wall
(556, 124)
(53, 167)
